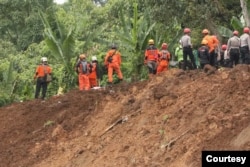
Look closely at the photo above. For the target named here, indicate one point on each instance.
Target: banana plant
(61, 45)
(134, 36)
(236, 23)
(64, 43)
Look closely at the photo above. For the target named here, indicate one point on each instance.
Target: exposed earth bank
(162, 122)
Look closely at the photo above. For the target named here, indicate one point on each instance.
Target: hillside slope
(167, 121)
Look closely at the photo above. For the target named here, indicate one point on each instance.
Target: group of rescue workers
(237, 50)
(88, 73)
(208, 56)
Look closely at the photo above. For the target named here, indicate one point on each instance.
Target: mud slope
(167, 121)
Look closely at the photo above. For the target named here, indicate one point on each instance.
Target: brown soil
(162, 122)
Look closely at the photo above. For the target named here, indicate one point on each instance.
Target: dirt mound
(167, 121)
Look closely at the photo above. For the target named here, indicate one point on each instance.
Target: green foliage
(165, 118)
(225, 32)
(237, 24)
(61, 46)
(20, 23)
(6, 48)
(136, 30)
(62, 32)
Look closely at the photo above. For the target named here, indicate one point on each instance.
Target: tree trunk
(243, 4)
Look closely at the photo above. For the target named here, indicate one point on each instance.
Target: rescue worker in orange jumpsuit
(113, 63)
(245, 46)
(83, 68)
(187, 48)
(93, 79)
(41, 83)
(163, 59)
(233, 48)
(151, 58)
(212, 44)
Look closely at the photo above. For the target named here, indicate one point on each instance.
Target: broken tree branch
(171, 142)
(120, 120)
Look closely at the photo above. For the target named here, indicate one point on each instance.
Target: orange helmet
(205, 31)
(204, 42)
(82, 56)
(246, 30)
(187, 30)
(224, 47)
(236, 33)
(164, 46)
(151, 42)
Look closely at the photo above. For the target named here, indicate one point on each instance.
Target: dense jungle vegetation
(31, 29)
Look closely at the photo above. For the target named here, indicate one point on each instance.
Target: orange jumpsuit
(93, 75)
(163, 61)
(83, 77)
(151, 59)
(212, 42)
(113, 62)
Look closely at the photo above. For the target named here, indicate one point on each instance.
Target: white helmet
(43, 59)
(94, 58)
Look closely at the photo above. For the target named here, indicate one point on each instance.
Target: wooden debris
(171, 142)
(120, 120)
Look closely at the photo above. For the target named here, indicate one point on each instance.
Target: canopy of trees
(31, 29)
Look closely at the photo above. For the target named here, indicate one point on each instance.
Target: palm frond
(236, 24)
(225, 32)
(68, 45)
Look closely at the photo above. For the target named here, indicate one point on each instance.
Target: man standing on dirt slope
(212, 44)
(233, 48)
(187, 49)
(151, 57)
(83, 68)
(163, 59)
(245, 46)
(40, 78)
(203, 54)
(113, 63)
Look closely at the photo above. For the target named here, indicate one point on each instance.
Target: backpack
(164, 55)
(86, 67)
(110, 58)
